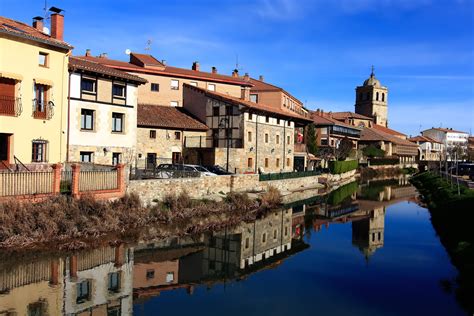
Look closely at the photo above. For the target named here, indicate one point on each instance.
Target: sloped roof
(448, 130)
(249, 104)
(387, 130)
(167, 70)
(168, 117)
(372, 134)
(348, 114)
(421, 138)
(328, 119)
(90, 66)
(23, 30)
(148, 60)
(261, 86)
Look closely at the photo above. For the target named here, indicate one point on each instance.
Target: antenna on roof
(237, 65)
(148, 45)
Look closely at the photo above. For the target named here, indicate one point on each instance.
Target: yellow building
(33, 93)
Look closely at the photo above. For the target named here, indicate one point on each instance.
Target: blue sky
(422, 50)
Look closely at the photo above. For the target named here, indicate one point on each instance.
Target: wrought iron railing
(43, 110)
(10, 106)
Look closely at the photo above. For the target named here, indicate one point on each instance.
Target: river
(364, 249)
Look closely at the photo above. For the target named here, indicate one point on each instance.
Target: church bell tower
(372, 100)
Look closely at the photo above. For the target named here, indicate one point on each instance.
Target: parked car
(218, 170)
(181, 171)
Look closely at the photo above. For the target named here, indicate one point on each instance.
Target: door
(4, 150)
(298, 163)
(7, 96)
(151, 161)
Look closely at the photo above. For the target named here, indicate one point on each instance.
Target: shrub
(337, 167)
(271, 198)
(339, 195)
(384, 161)
(372, 151)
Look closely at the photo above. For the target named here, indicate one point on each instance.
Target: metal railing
(26, 183)
(97, 180)
(10, 106)
(43, 110)
(212, 142)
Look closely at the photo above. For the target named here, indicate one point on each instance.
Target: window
(155, 87)
(177, 135)
(86, 156)
(215, 111)
(194, 83)
(174, 84)
(150, 274)
(278, 121)
(250, 163)
(116, 158)
(266, 137)
(383, 97)
(277, 162)
(250, 116)
(247, 243)
(83, 291)
(87, 119)
(228, 110)
(264, 237)
(153, 134)
(117, 122)
(288, 140)
(39, 151)
(211, 87)
(41, 101)
(34, 309)
(88, 85)
(254, 98)
(118, 90)
(114, 282)
(275, 234)
(169, 277)
(288, 123)
(176, 157)
(286, 230)
(377, 96)
(228, 133)
(174, 103)
(277, 139)
(249, 136)
(43, 59)
(288, 162)
(267, 119)
(266, 162)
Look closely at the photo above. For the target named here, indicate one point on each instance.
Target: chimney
(245, 94)
(163, 61)
(260, 78)
(235, 73)
(195, 66)
(103, 55)
(88, 52)
(57, 24)
(214, 70)
(246, 77)
(38, 23)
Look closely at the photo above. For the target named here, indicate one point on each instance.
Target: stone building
(33, 93)
(161, 133)
(429, 149)
(102, 113)
(368, 233)
(243, 136)
(165, 83)
(372, 100)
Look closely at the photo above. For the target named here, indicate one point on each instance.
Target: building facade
(455, 142)
(33, 93)
(372, 100)
(102, 113)
(243, 136)
(429, 149)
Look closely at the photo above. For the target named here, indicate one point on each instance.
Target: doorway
(4, 150)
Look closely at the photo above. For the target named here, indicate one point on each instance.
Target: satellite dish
(128, 51)
(45, 30)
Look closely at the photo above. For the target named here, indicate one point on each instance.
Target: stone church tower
(371, 100)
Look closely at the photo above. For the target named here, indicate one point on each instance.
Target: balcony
(300, 148)
(43, 110)
(211, 142)
(10, 106)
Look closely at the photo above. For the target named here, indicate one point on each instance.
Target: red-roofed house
(451, 139)
(429, 149)
(243, 136)
(165, 83)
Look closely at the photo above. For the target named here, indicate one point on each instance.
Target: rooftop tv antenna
(148, 45)
(237, 65)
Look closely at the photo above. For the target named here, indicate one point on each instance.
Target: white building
(429, 149)
(102, 113)
(450, 139)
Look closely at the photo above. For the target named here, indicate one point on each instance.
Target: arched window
(383, 97)
(377, 96)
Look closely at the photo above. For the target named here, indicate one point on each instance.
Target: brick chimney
(260, 78)
(245, 93)
(88, 52)
(235, 73)
(57, 26)
(195, 66)
(214, 70)
(38, 23)
(246, 77)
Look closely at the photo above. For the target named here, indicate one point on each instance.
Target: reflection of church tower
(371, 100)
(368, 233)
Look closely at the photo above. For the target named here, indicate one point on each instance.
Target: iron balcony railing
(43, 110)
(10, 106)
(212, 142)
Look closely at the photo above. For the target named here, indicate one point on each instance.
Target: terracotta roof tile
(328, 119)
(160, 116)
(348, 114)
(23, 30)
(421, 138)
(372, 134)
(387, 130)
(168, 71)
(90, 66)
(249, 104)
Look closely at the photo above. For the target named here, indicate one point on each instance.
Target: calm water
(367, 250)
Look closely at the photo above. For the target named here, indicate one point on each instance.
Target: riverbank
(63, 221)
(452, 215)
